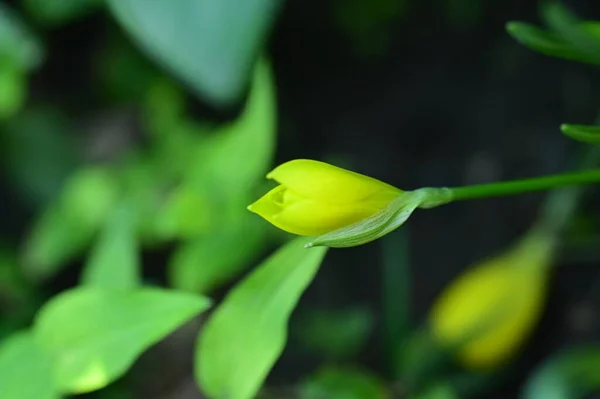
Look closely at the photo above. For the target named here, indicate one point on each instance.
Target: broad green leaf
(346, 383)
(571, 374)
(17, 44)
(56, 12)
(585, 134)
(94, 335)
(210, 45)
(542, 41)
(114, 262)
(39, 153)
(25, 370)
(239, 155)
(205, 262)
(187, 213)
(338, 334)
(246, 334)
(69, 224)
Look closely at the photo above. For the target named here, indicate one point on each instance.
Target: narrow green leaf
(238, 155)
(203, 263)
(585, 134)
(210, 45)
(544, 42)
(94, 335)
(17, 44)
(56, 12)
(345, 383)
(246, 334)
(573, 31)
(114, 262)
(69, 224)
(25, 370)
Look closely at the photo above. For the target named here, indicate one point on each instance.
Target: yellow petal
(310, 218)
(327, 183)
(502, 298)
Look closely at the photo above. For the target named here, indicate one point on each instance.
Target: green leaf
(346, 383)
(13, 90)
(56, 12)
(94, 335)
(239, 154)
(204, 263)
(69, 224)
(246, 334)
(585, 134)
(18, 45)
(39, 152)
(338, 334)
(542, 41)
(570, 374)
(114, 262)
(210, 45)
(582, 37)
(25, 370)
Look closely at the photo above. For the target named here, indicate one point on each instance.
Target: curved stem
(525, 185)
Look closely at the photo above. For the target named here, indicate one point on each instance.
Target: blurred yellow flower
(486, 314)
(314, 197)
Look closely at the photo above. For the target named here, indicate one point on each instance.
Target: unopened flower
(486, 314)
(314, 198)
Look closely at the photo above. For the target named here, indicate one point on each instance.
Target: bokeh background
(414, 92)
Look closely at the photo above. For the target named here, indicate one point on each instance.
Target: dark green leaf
(329, 383)
(544, 42)
(571, 374)
(18, 46)
(94, 335)
(246, 334)
(585, 134)
(573, 31)
(56, 12)
(114, 262)
(39, 153)
(25, 370)
(211, 45)
(338, 334)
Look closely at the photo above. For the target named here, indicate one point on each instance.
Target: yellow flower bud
(314, 197)
(486, 314)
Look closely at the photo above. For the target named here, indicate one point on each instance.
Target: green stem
(525, 185)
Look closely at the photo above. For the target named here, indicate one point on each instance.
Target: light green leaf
(25, 370)
(585, 134)
(94, 335)
(338, 334)
(346, 383)
(56, 12)
(69, 224)
(18, 45)
(239, 155)
(210, 45)
(246, 334)
(203, 263)
(114, 262)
